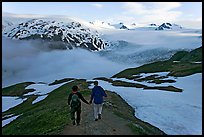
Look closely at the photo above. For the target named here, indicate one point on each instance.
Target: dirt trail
(117, 118)
(110, 124)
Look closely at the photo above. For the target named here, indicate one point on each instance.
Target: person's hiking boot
(99, 116)
(78, 124)
(96, 119)
(74, 122)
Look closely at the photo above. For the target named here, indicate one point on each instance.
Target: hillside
(181, 64)
(53, 105)
(71, 33)
(51, 116)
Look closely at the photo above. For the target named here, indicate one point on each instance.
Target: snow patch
(10, 102)
(9, 120)
(38, 99)
(41, 89)
(174, 113)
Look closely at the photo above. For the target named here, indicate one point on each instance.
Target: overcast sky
(184, 13)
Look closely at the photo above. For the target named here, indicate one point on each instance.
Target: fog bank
(26, 61)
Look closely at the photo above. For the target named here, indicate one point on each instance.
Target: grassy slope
(50, 116)
(179, 69)
(137, 85)
(17, 89)
(46, 117)
(194, 55)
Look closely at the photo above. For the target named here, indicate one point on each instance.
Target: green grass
(166, 88)
(160, 66)
(17, 89)
(136, 129)
(127, 84)
(118, 105)
(47, 117)
(158, 81)
(175, 69)
(104, 79)
(137, 85)
(183, 68)
(51, 115)
(61, 81)
(151, 77)
(194, 55)
(178, 56)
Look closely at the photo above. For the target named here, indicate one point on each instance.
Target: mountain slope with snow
(72, 33)
(6, 24)
(102, 24)
(120, 26)
(169, 26)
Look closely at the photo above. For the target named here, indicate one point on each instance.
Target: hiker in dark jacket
(97, 95)
(75, 104)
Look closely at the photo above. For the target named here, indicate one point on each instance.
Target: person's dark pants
(78, 112)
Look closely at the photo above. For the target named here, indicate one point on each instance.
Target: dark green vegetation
(121, 83)
(17, 89)
(184, 67)
(61, 81)
(179, 55)
(193, 56)
(46, 117)
(167, 88)
(51, 115)
(181, 64)
(137, 85)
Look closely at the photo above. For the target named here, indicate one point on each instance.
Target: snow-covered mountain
(6, 24)
(134, 26)
(74, 32)
(102, 24)
(120, 26)
(70, 32)
(152, 25)
(169, 26)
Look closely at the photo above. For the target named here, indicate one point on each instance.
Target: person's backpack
(75, 101)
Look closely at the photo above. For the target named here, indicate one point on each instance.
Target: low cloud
(194, 24)
(23, 61)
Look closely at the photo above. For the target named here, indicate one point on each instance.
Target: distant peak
(169, 26)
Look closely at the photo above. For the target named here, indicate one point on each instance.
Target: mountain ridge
(72, 33)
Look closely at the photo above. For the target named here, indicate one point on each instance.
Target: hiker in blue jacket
(97, 95)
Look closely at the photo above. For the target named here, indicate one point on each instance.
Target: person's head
(74, 88)
(96, 83)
